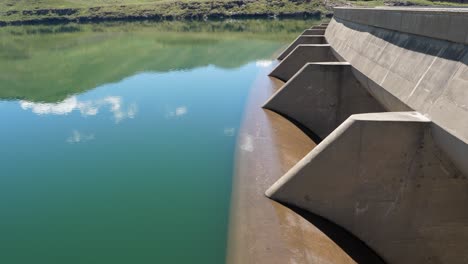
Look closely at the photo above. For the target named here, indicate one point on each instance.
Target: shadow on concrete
(355, 248)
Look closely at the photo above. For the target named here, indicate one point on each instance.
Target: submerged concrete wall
(398, 179)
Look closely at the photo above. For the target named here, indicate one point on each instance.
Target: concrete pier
(302, 39)
(321, 96)
(314, 32)
(265, 231)
(396, 175)
(377, 187)
(301, 55)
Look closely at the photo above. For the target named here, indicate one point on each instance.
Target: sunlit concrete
(302, 39)
(382, 177)
(301, 55)
(262, 230)
(321, 96)
(397, 180)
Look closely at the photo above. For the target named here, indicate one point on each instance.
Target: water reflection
(264, 63)
(86, 108)
(72, 59)
(77, 137)
(177, 112)
(118, 142)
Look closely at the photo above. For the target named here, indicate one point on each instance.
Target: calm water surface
(117, 140)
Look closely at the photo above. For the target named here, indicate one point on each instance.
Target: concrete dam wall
(385, 91)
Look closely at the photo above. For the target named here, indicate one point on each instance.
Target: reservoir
(118, 138)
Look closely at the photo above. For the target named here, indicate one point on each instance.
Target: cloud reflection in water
(86, 108)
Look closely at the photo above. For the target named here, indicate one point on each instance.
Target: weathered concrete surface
(424, 74)
(321, 96)
(261, 230)
(314, 32)
(302, 39)
(440, 23)
(301, 55)
(402, 197)
(398, 181)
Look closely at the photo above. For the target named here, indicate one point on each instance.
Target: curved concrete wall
(425, 73)
(381, 177)
(398, 180)
(438, 23)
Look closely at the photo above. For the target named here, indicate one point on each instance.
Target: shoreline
(161, 18)
(163, 11)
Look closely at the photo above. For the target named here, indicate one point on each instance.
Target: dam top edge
(432, 10)
(448, 24)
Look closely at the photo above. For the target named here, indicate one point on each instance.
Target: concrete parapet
(410, 72)
(302, 39)
(314, 32)
(301, 55)
(321, 96)
(383, 178)
(441, 23)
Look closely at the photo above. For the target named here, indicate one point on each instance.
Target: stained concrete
(423, 74)
(302, 39)
(438, 23)
(321, 96)
(262, 230)
(301, 55)
(402, 197)
(396, 180)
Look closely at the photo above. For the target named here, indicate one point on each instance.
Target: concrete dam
(384, 92)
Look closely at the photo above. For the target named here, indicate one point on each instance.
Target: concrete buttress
(402, 197)
(301, 55)
(302, 39)
(314, 32)
(321, 96)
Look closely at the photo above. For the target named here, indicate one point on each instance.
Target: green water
(117, 140)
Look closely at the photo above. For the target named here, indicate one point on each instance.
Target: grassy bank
(63, 11)
(57, 11)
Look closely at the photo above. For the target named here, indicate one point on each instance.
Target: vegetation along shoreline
(21, 12)
(162, 10)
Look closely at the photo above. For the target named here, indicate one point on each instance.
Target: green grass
(55, 11)
(43, 10)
